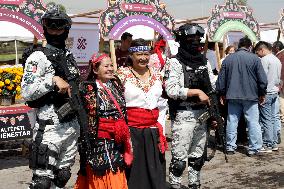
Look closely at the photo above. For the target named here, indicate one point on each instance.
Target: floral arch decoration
(123, 14)
(26, 13)
(232, 17)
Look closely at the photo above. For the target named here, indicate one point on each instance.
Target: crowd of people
(127, 108)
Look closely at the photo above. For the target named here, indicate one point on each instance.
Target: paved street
(266, 172)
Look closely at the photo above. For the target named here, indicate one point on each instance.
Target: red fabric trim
(117, 130)
(157, 50)
(145, 118)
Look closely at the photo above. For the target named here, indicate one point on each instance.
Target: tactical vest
(194, 78)
(56, 57)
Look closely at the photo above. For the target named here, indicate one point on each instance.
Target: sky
(265, 11)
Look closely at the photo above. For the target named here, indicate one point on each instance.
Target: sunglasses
(193, 30)
(56, 24)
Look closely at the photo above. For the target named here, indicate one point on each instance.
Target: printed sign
(14, 123)
(232, 17)
(122, 14)
(26, 13)
(11, 2)
(83, 42)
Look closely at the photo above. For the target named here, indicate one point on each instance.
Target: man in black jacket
(242, 82)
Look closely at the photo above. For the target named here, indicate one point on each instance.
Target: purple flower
(31, 7)
(36, 18)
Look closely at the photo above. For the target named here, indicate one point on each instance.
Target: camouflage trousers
(61, 138)
(188, 141)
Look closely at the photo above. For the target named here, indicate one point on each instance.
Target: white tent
(270, 36)
(11, 31)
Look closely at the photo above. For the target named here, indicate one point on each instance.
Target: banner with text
(15, 123)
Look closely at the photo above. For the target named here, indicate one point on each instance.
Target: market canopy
(232, 17)
(14, 32)
(26, 13)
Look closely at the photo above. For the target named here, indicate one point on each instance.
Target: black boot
(194, 186)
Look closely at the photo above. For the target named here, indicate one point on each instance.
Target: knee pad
(196, 163)
(39, 182)
(61, 177)
(177, 167)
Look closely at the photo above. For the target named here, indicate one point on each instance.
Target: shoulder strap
(112, 98)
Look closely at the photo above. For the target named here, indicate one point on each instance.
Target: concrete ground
(244, 172)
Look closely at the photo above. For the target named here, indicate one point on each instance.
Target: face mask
(192, 46)
(57, 41)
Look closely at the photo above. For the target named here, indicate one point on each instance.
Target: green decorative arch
(233, 26)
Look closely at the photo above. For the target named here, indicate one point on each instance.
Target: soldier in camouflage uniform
(45, 88)
(187, 102)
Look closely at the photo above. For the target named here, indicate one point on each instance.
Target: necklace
(138, 78)
(139, 81)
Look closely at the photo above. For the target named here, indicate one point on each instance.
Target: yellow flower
(12, 85)
(18, 77)
(9, 88)
(1, 70)
(7, 81)
(18, 96)
(0, 90)
(2, 83)
(18, 88)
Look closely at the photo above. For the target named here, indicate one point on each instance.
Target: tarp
(270, 36)
(11, 32)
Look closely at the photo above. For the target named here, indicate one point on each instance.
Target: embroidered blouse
(138, 93)
(105, 153)
(105, 108)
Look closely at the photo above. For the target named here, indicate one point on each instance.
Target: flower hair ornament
(97, 57)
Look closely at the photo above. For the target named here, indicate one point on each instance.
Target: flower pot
(6, 100)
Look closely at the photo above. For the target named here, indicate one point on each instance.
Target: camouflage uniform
(188, 134)
(61, 138)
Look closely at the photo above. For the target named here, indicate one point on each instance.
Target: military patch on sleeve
(31, 67)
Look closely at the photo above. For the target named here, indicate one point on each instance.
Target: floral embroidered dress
(105, 161)
(147, 137)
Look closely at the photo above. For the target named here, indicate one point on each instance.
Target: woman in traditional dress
(143, 89)
(109, 151)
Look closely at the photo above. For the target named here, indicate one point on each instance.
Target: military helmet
(188, 29)
(55, 17)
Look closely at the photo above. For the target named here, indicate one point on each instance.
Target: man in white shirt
(212, 58)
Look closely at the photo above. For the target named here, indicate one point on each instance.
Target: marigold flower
(7, 81)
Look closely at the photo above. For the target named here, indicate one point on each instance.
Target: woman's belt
(145, 118)
(117, 130)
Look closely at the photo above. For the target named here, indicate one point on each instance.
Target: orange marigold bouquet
(10, 81)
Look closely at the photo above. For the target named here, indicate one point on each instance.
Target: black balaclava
(192, 46)
(57, 41)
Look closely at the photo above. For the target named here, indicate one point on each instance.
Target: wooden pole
(224, 45)
(112, 53)
(206, 44)
(217, 50)
(278, 35)
(44, 42)
(101, 45)
(35, 41)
